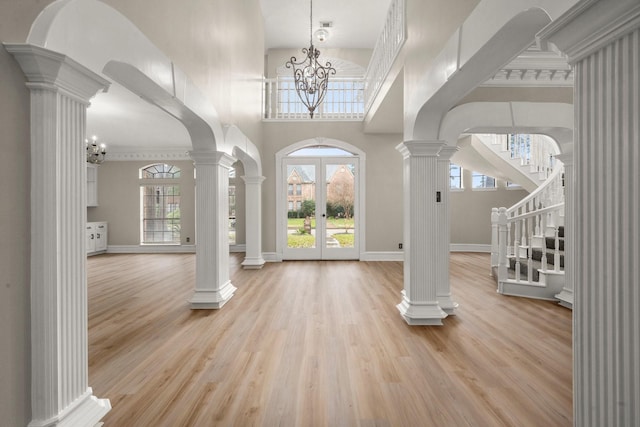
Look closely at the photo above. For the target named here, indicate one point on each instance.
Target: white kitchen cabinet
(97, 237)
(92, 185)
(101, 236)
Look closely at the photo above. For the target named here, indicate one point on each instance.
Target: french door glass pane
(340, 197)
(301, 206)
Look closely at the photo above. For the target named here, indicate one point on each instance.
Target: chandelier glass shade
(95, 153)
(310, 77)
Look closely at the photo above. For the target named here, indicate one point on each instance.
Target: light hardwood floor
(320, 344)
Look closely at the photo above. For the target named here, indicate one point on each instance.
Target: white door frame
(281, 196)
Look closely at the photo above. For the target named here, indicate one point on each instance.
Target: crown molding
(590, 25)
(148, 155)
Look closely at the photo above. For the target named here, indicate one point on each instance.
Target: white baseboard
(382, 256)
(238, 248)
(150, 249)
(470, 247)
(271, 257)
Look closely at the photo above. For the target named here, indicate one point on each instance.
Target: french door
(321, 197)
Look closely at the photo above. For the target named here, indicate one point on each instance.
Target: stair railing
(533, 150)
(526, 225)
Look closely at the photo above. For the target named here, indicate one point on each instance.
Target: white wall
(15, 356)
(119, 200)
(471, 210)
(219, 44)
(383, 178)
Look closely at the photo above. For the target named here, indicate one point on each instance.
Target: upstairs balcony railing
(347, 98)
(386, 50)
(344, 100)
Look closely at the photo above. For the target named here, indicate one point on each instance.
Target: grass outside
(295, 223)
(345, 240)
(301, 240)
(299, 223)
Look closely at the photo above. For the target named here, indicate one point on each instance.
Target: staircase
(527, 255)
(531, 157)
(540, 256)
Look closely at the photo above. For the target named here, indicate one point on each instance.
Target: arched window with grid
(160, 204)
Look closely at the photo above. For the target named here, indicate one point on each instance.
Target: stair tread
(535, 266)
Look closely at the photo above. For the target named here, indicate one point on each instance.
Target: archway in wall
(59, 369)
(319, 193)
(552, 120)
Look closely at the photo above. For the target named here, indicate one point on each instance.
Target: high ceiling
(286, 22)
(356, 23)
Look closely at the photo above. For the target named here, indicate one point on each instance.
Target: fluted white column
(419, 305)
(253, 216)
(60, 92)
(566, 295)
(443, 211)
(602, 41)
(213, 286)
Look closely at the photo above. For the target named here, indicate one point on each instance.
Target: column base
(253, 263)
(423, 314)
(448, 305)
(88, 411)
(205, 299)
(566, 298)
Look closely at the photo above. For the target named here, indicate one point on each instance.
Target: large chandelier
(310, 77)
(95, 153)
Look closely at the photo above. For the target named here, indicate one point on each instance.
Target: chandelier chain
(311, 22)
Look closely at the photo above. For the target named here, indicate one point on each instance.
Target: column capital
(590, 25)
(46, 69)
(253, 179)
(212, 158)
(417, 148)
(565, 158)
(447, 152)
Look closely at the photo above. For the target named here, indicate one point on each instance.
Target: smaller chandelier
(95, 153)
(311, 78)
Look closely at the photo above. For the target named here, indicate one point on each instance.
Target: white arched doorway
(320, 199)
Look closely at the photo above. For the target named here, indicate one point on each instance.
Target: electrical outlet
(399, 245)
(188, 239)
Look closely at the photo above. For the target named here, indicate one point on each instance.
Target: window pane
(160, 213)
(160, 171)
(455, 176)
(482, 181)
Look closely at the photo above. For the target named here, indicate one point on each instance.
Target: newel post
(494, 238)
(502, 244)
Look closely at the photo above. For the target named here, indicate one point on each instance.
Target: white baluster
(556, 259)
(516, 244)
(502, 243)
(494, 238)
(509, 243)
(544, 242)
(529, 269)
